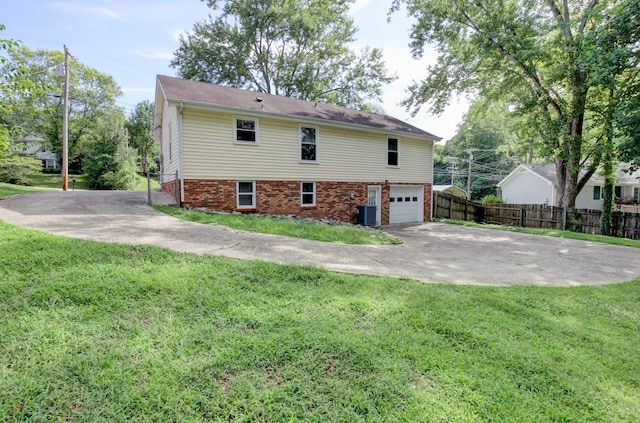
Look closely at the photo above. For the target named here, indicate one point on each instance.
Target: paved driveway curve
(432, 252)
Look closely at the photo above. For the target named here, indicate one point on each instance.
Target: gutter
(298, 119)
(180, 153)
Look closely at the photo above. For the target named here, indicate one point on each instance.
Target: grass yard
(104, 332)
(142, 183)
(553, 232)
(313, 230)
(7, 190)
(48, 180)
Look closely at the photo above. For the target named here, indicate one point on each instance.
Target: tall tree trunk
(609, 177)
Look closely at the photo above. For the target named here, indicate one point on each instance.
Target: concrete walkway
(432, 252)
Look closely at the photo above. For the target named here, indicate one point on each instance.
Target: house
(33, 146)
(535, 184)
(235, 150)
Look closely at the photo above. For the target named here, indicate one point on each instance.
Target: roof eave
(209, 106)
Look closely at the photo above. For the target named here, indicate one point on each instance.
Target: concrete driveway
(432, 252)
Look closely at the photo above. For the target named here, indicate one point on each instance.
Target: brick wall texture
(284, 198)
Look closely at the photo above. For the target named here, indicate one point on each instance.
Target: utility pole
(469, 175)
(453, 168)
(65, 124)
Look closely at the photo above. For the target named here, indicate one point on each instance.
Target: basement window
(308, 192)
(246, 195)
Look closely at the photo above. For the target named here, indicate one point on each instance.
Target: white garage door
(406, 204)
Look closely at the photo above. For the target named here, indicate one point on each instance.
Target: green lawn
(48, 180)
(103, 332)
(313, 230)
(7, 190)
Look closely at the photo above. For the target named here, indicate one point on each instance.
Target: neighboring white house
(535, 184)
(234, 150)
(33, 146)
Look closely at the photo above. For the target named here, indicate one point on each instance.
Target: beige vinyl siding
(170, 136)
(343, 154)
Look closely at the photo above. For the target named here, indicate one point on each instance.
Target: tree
(92, 95)
(530, 52)
(14, 83)
(140, 127)
(110, 162)
(486, 137)
(295, 48)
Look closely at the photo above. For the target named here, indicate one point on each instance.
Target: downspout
(431, 190)
(180, 153)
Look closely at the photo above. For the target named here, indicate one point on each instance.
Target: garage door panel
(406, 204)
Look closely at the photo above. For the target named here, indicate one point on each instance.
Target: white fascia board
(298, 119)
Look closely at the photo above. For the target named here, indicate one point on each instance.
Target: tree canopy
(92, 95)
(535, 54)
(295, 48)
(139, 126)
(14, 83)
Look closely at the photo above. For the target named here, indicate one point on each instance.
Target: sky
(134, 40)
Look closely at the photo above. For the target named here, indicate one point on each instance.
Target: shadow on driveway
(431, 252)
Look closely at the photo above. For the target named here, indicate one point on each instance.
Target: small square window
(392, 200)
(415, 198)
(246, 130)
(308, 192)
(399, 199)
(246, 194)
(407, 199)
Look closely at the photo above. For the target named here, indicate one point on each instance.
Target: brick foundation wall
(283, 198)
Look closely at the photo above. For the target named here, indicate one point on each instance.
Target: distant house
(235, 150)
(450, 189)
(34, 146)
(536, 184)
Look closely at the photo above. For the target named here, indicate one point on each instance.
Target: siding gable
(344, 154)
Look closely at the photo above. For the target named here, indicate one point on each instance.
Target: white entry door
(375, 199)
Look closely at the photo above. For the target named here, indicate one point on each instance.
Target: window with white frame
(308, 143)
(597, 192)
(245, 130)
(246, 194)
(308, 191)
(393, 150)
(636, 195)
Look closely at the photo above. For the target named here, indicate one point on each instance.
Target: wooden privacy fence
(625, 225)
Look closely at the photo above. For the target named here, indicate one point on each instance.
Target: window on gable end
(596, 192)
(393, 150)
(308, 144)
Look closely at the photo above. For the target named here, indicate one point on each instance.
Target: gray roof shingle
(548, 171)
(207, 94)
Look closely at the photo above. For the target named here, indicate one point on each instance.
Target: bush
(17, 169)
(491, 199)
